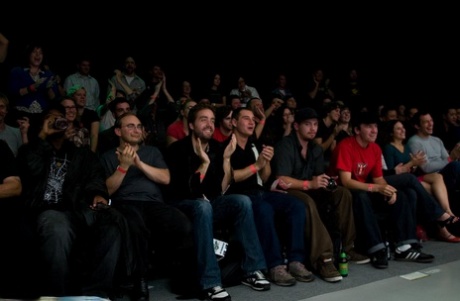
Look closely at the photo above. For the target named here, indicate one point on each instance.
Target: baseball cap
(305, 114)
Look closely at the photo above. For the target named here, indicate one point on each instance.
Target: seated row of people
(277, 200)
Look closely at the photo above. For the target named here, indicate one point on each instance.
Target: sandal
(449, 221)
(448, 238)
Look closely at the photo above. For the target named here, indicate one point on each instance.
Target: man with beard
(134, 176)
(66, 210)
(299, 168)
(200, 176)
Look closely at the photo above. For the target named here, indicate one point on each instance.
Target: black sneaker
(256, 281)
(217, 293)
(379, 259)
(413, 254)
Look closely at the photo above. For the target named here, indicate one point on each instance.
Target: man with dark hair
(300, 170)
(67, 207)
(201, 175)
(355, 160)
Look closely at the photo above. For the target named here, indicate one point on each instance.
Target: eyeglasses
(132, 126)
(70, 107)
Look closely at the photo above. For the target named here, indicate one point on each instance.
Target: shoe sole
(416, 260)
(303, 279)
(265, 288)
(333, 279)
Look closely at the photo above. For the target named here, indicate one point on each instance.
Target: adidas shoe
(413, 254)
(256, 281)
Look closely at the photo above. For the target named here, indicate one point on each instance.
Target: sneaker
(413, 254)
(328, 271)
(256, 281)
(357, 258)
(217, 293)
(379, 259)
(280, 276)
(298, 270)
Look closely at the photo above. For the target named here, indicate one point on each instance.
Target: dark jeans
(270, 207)
(88, 242)
(155, 226)
(451, 175)
(368, 208)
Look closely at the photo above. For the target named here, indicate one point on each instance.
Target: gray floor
(440, 281)
(363, 283)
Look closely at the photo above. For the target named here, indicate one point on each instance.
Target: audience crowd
(107, 182)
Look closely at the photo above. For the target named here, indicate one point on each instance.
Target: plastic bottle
(343, 264)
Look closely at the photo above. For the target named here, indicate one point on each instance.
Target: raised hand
(230, 147)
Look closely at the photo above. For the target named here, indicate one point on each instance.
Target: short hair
(120, 118)
(113, 104)
(199, 107)
(5, 99)
(237, 112)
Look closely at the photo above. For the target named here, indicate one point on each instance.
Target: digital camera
(60, 124)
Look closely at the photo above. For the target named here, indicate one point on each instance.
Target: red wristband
(31, 88)
(306, 185)
(370, 187)
(253, 168)
(120, 169)
(262, 121)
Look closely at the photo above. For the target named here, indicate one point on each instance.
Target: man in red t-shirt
(357, 160)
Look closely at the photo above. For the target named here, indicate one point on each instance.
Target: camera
(60, 124)
(331, 185)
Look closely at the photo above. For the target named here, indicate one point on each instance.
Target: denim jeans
(58, 232)
(368, 207)
(235, 209)
(272, 207)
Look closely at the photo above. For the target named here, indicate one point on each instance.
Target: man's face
(131, 130)
(203, 126)
(391, 115)
(84, 67)
(425, 126)
(368, 132)
(245, 123)
(307, 129)
(451, 116)
(121, 108)
(130, 66)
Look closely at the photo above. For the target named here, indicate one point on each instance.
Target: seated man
(66, 199)
(134, 175)
(251, 167)
(358, 158)
(300, 170)
(200, 176)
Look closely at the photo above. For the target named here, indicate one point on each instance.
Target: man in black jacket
(67, 207)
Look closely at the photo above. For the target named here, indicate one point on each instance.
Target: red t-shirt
(176, 130)
(361, 162)
(219, 136)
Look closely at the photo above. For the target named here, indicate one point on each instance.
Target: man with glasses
(134, 176)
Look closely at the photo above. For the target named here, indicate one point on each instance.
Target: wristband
(120, 169)
(262, 121)
(201, 177)
(31, 88)
(370, 187)
(253, 168)
(306, 185)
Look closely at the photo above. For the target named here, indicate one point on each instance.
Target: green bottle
(343, 264)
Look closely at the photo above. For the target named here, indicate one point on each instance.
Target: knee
(202, 209)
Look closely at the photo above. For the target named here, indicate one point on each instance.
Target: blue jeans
(270, 207)
(234, 208)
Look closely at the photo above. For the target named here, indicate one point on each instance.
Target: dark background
(406, 54)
